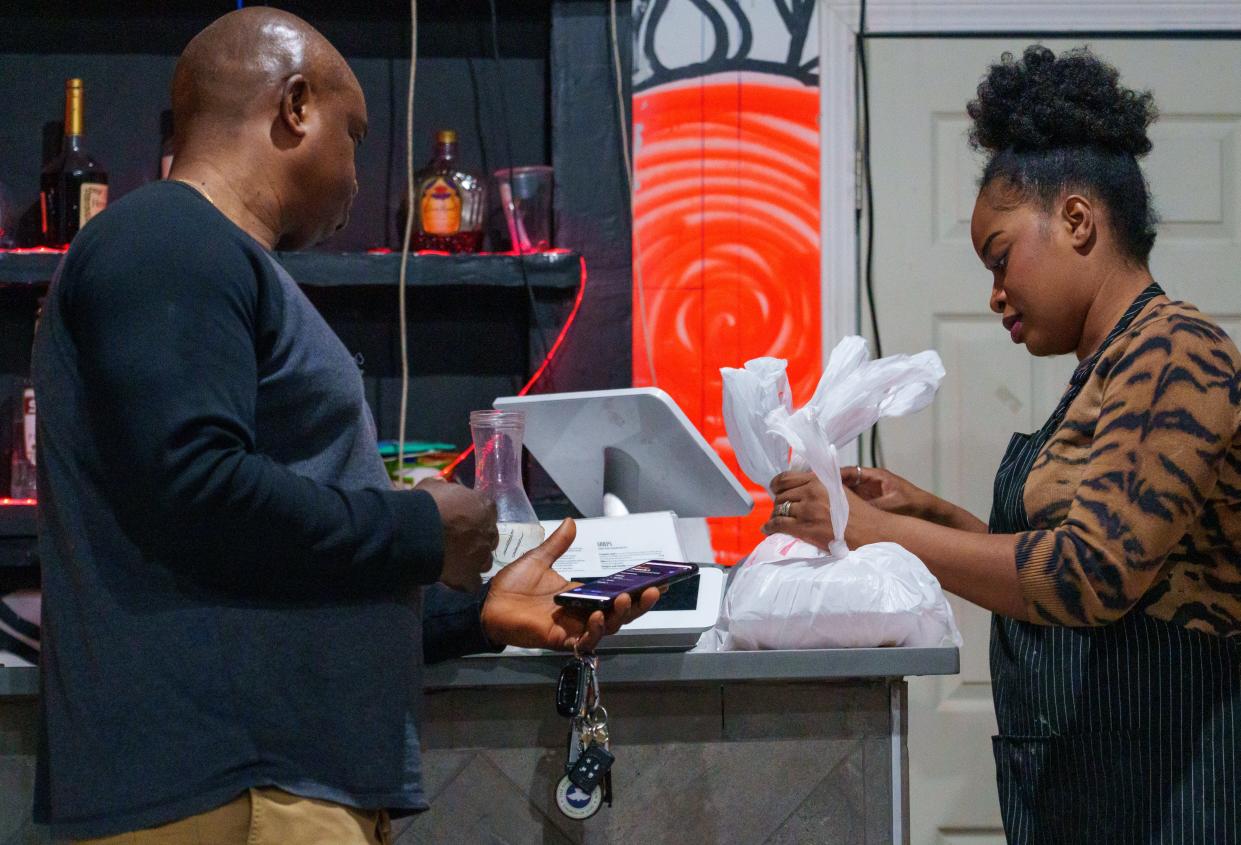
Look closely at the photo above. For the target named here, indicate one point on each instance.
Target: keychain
(587, 782)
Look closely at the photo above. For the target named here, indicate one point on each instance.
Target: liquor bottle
(74, 185)
(448, 202)
(22, 483)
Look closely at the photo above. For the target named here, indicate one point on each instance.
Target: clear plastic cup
(526, 197)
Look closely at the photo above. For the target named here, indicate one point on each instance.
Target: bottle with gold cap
(448, 202)
(74, 186)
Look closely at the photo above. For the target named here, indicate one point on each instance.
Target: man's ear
(1078, 221)
(295, 104)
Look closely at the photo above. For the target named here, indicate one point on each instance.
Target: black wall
(592, 205)
(549, 100)
(125, 52)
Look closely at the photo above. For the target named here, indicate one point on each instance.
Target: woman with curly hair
(1112, 558)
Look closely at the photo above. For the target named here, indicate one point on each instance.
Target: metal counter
(731, 747)
(693, 667)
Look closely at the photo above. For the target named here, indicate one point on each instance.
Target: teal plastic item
(387, 448)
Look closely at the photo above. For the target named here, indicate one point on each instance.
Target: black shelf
(17, 520)
(550, 270)
(17, 539)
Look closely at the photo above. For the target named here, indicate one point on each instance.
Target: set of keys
(587, 782)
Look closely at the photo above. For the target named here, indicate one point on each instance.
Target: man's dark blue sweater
(233, 595)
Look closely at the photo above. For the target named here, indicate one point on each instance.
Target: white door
(931, 293)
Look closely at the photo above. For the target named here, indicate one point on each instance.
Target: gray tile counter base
(742, 747)
(739, 763)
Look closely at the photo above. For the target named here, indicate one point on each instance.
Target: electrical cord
(635, 252)
(447, 472)
(876, 451)
(409, 227)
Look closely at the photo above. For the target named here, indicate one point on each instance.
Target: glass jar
(497, 474)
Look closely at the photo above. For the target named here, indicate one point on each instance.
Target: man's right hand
(470, 536)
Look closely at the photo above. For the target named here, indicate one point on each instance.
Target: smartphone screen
(601, 592)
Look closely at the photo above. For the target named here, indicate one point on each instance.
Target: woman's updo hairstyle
(1056, 124)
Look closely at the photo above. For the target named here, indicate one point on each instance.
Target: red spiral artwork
(726, 234)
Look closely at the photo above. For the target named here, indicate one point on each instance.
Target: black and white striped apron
(1128, 733)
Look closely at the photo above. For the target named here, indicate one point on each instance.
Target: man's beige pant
(266, 816)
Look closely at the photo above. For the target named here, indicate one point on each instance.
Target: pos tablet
(634, 443)
(637, 445)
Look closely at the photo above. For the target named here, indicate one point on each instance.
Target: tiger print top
(1136, 497)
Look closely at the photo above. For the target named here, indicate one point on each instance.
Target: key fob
(591, 766)
(571, 689)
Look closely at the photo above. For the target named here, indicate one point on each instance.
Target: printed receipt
(610, 543)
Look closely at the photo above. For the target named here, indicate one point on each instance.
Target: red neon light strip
(379, 250)
(383, 250)
(447, 471)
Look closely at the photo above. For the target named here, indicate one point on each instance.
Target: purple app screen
(628, 580)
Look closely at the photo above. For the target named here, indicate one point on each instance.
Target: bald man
(236, 604)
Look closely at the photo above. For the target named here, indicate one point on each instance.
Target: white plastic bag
(788, 593)
(750, 394)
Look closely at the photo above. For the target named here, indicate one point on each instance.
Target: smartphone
(600, 593)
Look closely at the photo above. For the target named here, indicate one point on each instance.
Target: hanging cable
(635, 251)
(868, 273)
(409, 227)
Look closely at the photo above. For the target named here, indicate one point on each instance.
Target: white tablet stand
(636, 444)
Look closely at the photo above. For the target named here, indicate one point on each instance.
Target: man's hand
(519, 609)
(470, 535)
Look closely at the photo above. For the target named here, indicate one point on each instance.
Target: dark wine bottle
(74, 186)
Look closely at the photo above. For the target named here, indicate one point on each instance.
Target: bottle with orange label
(74, 187)
(22, 484)
(448, 202)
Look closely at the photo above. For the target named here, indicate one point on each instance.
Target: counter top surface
(685, 667)
(18, 681)
(525, 669)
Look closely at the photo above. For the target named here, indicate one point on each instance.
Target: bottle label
(93, 199)
(28, 420)
(441, 208)
(516, 538)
